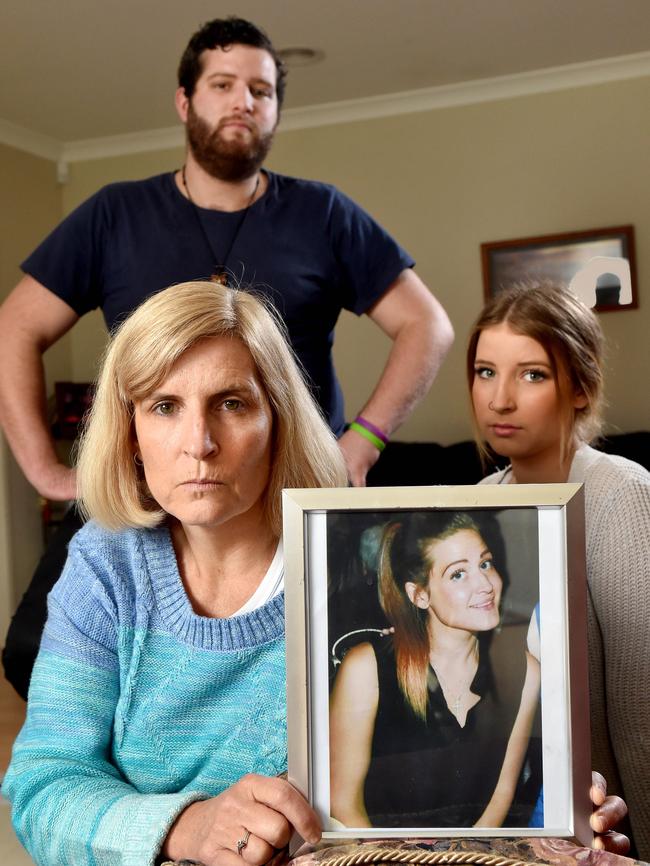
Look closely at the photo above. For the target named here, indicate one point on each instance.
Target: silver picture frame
(544, 523)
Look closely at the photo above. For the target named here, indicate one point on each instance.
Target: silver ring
(242, 843)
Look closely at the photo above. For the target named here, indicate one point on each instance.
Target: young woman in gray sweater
(535, 372)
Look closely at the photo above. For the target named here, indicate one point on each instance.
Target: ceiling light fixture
(293, 57)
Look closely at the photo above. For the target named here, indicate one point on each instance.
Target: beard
(231, 160)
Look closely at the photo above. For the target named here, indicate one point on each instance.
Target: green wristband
(376, 441)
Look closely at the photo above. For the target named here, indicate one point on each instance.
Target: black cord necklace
(221, 270)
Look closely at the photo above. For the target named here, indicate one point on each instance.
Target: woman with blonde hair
(535, 373)
(156, 722)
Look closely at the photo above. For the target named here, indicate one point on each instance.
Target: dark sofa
(420, 463)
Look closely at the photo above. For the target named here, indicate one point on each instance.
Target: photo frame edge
(296, 646)
(297, 502)
(578, 666)
(430, 496)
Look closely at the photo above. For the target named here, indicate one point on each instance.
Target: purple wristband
(371, 427)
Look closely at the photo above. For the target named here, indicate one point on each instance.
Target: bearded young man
(305, 245)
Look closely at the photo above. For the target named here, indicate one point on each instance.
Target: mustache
(236, 118)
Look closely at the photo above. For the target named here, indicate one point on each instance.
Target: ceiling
(85, 69)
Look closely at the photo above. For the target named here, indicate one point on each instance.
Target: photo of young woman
(431, 721)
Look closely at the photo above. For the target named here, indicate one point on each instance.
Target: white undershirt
(271, 584)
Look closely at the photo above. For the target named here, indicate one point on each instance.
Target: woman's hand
(268, 809)
(611, 810)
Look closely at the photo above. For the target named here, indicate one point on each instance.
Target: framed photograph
(559, 257)
(437, 660)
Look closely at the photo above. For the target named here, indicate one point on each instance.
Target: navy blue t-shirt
(311, 250)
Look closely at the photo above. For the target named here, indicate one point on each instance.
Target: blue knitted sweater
(137, 706)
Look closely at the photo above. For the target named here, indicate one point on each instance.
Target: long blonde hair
(141, 355)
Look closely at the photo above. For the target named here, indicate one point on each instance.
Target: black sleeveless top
(435, 773)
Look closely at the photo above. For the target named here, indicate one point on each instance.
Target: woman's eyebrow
(159, 395)
(455, 562)
(243, 389)
(484, 552)
(531, 363)
(238, 386)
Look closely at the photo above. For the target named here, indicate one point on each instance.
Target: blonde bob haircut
(572, 337)
(304, 452)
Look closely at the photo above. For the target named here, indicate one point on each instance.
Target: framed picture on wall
(559, 257)
(437, 660)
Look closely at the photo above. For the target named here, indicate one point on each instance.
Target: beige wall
(444, 181)
(31, 206)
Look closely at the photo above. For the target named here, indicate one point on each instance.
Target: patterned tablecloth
(481, 852)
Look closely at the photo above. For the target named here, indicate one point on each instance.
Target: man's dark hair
(222, 33)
